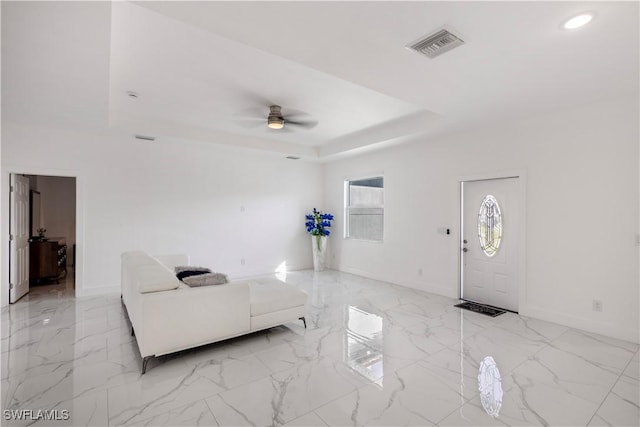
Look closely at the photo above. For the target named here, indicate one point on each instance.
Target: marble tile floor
(374, 353)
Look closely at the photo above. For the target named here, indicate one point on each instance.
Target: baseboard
(603, 328)
(434, 289)
(102, 290)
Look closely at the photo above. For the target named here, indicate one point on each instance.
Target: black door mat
(479, 308)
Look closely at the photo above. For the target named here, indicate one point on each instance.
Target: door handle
(464, 249)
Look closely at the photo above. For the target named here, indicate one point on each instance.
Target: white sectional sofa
(168, 316)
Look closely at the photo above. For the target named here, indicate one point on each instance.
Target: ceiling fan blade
(250, 117)
(299, 119)
(307, 124)
(296, 115)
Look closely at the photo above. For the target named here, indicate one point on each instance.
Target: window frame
(347, 207)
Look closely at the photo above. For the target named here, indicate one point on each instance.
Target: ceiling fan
(275, 119)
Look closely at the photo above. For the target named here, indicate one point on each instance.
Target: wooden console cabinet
(47, 259)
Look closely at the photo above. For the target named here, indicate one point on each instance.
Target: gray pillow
(186, 271)
(206, 279)
(181, 268)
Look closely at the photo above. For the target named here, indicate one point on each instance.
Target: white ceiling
(199, 67)
(194, 78)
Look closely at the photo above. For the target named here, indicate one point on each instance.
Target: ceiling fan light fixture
(275, 119)
(275, 122)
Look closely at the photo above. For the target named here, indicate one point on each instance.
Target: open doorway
(51, 250)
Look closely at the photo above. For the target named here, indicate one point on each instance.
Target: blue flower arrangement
(318, 223)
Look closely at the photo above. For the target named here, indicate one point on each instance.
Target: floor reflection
(490, 386)
(363, 344)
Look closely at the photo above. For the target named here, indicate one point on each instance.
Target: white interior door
(19, 238)
(490, 227)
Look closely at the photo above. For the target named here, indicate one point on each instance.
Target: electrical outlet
(419, 272)
(242, 261)
(597, 305)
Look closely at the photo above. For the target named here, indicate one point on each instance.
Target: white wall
(58, 209)
(581, 212)
(171, 197)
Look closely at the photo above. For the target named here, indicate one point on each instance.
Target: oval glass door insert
(489, 226)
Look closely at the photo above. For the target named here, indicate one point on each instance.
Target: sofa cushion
(206, 279)
(272, 296)
(155, 278)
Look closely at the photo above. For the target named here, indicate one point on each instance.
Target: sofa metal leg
(145, 360)
(304, 321)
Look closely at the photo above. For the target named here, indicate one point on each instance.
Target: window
(489, 226)
(364, 206)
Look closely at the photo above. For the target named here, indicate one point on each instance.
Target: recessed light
(144, 137)
(132, 94)
(578, 21)
(292, 158)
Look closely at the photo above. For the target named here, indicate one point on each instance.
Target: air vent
(436, 44)
(145, 137)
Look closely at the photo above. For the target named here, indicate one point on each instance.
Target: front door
(19, 237)
(490, 225)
